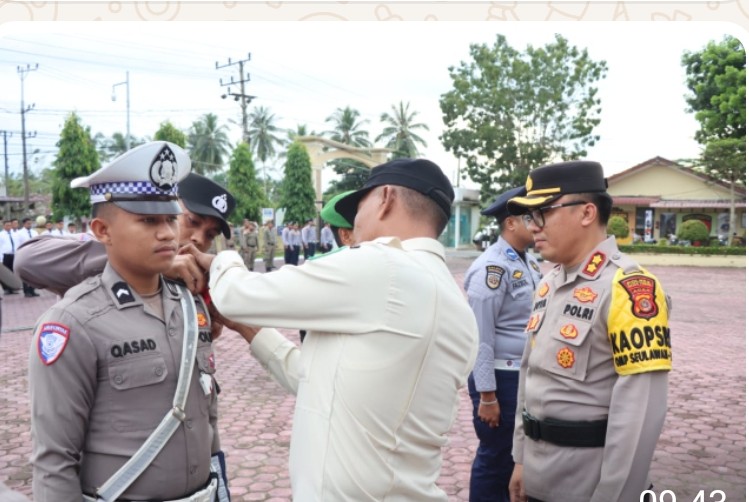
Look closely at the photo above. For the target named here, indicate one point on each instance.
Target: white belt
(507, 364)
(207, 494)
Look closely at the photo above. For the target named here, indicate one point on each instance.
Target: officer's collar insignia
(594, 264)
(585, 295)
(569, 331)
(535, 266)
(517, 274)
(219, 202)
(494, 276)
(53, 338)
(511, 254)
(122, 292)
(566, 358)
(543, 290)
(163, 172)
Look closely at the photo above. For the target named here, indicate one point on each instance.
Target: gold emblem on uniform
(494, 276)
(528, 184)
(533, 322)
(202, 320)
(568, 331)
(565, 358)
(517, 274)
(585, 295)
(594, 263)
(543, 290)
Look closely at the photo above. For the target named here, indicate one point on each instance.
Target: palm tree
(346, 129)
(263, 137)
(399, 132)
(208, 144)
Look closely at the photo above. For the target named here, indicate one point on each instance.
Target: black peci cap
(549, 183)
(498, 208)
(421, 175)
(207, 198)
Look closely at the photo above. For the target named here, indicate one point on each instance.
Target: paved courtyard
(702, 448)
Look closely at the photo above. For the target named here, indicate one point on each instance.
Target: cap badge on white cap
(219, 202)
(163, 170)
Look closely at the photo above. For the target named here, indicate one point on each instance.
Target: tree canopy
(76, 156)
(167, 132)
(512, 111)
(349, 130)
(716, 79)
(208, 144)
(244, 185)
(297, 192)
(399, 131)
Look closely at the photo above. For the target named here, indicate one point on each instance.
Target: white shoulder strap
(142, 458)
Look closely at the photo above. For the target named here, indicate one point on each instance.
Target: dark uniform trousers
(493, 465)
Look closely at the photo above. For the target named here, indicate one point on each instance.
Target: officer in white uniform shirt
(391, 342)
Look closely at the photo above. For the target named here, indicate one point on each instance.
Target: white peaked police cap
(142, 180)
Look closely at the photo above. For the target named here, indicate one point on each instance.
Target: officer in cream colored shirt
(391, 341)
(593, 386)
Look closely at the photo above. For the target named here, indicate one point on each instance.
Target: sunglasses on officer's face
(537, 215)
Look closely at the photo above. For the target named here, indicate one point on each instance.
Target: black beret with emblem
(142, 180)
(207, 198)
(550, 182)
(421, 175)
(498, 209)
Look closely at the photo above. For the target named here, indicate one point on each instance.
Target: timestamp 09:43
(669, 496)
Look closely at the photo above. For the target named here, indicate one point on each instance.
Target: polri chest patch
(494, 275)
(53, 338)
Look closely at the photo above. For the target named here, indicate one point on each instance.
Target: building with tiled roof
(656, 196)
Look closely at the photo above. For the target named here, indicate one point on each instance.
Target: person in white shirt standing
(24, 234)
(8, 245)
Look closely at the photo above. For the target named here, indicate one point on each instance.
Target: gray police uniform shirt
(598, 347)
(500, 286)
(59, 263)
(103, 371)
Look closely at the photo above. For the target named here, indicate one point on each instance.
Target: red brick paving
(702, 448)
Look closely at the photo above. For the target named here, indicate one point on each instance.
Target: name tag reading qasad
(53, 338)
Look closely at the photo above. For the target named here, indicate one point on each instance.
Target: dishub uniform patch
(494, 275)
(53, 338)
(638, 324)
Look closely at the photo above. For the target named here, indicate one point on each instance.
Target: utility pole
(126, 83)
(243, 98)
(22, 72)
(6, 135)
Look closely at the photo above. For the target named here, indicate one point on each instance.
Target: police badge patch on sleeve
(494, 276)
(53, 338)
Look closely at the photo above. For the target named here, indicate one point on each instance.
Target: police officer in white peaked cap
(115, 414)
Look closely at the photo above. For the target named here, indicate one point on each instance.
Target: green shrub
(693, 231)
(618, 227)
(662, 241)
(703, 250)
